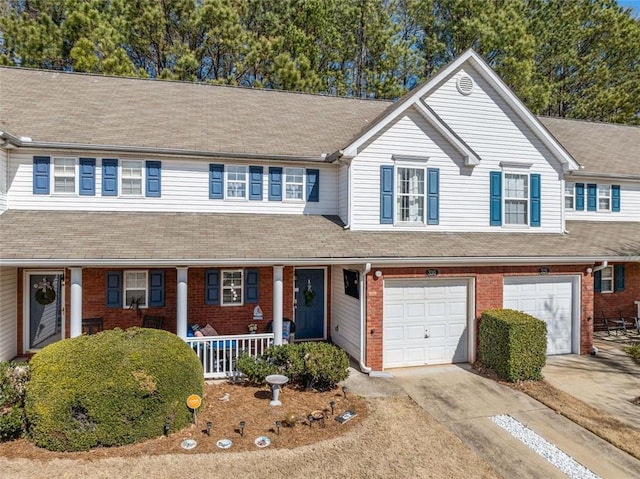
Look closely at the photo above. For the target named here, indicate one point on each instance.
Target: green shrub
(513, 344)
(308, 365)
(13, 380)
(116, 387)
(634, 352)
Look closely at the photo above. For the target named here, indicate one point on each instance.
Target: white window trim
(604, 210)
(75, 176)
(415, 166)
(246, 183)
(241, 287)
(146, 287)
(121, 177)
(303, 198)
(521, 170)
(572, 195)
(603, 279)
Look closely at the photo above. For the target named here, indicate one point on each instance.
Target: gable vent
(464, 84)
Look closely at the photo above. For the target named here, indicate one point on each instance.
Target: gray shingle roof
(183, 238)
(91, 109)
(599, 147)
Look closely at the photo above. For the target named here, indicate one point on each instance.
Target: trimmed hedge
(113, 388)
(13, 380)
(513, 344)
(309, 365)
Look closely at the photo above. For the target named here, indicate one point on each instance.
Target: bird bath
(276, 381)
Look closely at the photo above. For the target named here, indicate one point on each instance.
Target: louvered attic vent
(464, 85)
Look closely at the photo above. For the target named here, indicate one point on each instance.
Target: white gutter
(363, 317)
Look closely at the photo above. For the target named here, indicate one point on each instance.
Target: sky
(635, 4)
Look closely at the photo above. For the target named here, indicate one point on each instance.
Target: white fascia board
(470, 157)
(607, 177)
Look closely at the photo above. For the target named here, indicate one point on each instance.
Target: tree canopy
(568, 58)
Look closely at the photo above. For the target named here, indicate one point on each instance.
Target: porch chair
(92, 325)
(629, 322)
(611, 324)
(153, 322)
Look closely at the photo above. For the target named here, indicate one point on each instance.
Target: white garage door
(549, 298)
(425, 322)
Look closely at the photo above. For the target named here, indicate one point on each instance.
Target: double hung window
(135, 289)
(64, 175)
(131, 178)
(232, 287)
(516, 199)
(236, 182)
(294, 183)
(410, 195)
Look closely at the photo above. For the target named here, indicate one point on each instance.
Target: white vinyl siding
(135, 289)
(345, 314)
(185, 188)
(236, 187)
(629, 204)
(8, 313)
(131, 178)
(64, 175)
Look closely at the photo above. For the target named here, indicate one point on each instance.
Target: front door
(44, 309)
(309, 303)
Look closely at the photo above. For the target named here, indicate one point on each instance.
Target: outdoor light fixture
(209, 425)
(332, 405)
(378, 274)
(278, 425)
(167, 426)
(242, 428)
(344, 391)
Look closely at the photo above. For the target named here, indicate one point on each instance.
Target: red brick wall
(488, 294)
(610, 303)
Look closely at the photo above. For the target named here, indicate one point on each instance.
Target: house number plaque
(431, 273)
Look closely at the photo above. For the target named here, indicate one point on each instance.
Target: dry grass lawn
(390, 437)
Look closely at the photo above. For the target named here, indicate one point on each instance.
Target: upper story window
(135, 289)
(410, 195)
(569, 196)
(131, 178)
(516, 199)
(236, 182)
(606, 280)
(64, 175)
(232, 287)
(294, 183)
(604, 197)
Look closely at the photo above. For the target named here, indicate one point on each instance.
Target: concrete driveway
(463, 402)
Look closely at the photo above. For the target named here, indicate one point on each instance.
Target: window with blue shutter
(41, 182)
(109, 177)
(579, 196)
(313, 186)
(251, 286)
(534, 197)
(386, 195)
(153, 187)
(615, 198)
(156, 287)
(212, 286)
(216, 182)
(618, 277)
(495, 200)
(88, 176)
(433, 196)
(255, 183)
(114, 289)
(275, 183)
(592, 192)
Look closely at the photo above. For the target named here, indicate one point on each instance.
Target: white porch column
(76, 303)
(181, 303)
(277, 304)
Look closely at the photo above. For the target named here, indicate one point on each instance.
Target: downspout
(348, 225)
(604, 264)
(363, 317)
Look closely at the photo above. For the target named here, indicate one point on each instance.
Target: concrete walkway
(463, 402)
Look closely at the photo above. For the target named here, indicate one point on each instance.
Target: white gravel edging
(550, 452)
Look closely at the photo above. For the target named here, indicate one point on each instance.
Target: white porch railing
(219, 354)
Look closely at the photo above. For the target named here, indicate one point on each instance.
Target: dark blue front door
(309, 303)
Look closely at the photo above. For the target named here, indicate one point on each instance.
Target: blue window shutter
(615, 198)
(433, 196)
(275, 183)
(597, 281)
(386, 195)
(618, 274)
(216, 182)
(114, 289)
(212, 286)
(154, 170)
(251, 286)
(313, 186)
(41, 175)
(495, 202)
(156, 287)
(109, 177)
(535, 199)
(579, 196)
(592, 197)
(88, 176)
(255, 183)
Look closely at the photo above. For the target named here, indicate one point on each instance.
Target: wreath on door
(45, 294)
(309, 295)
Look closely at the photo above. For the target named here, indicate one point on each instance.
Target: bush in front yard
(113, 388)
(309, 365)
(513, 344)
(13, 380)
